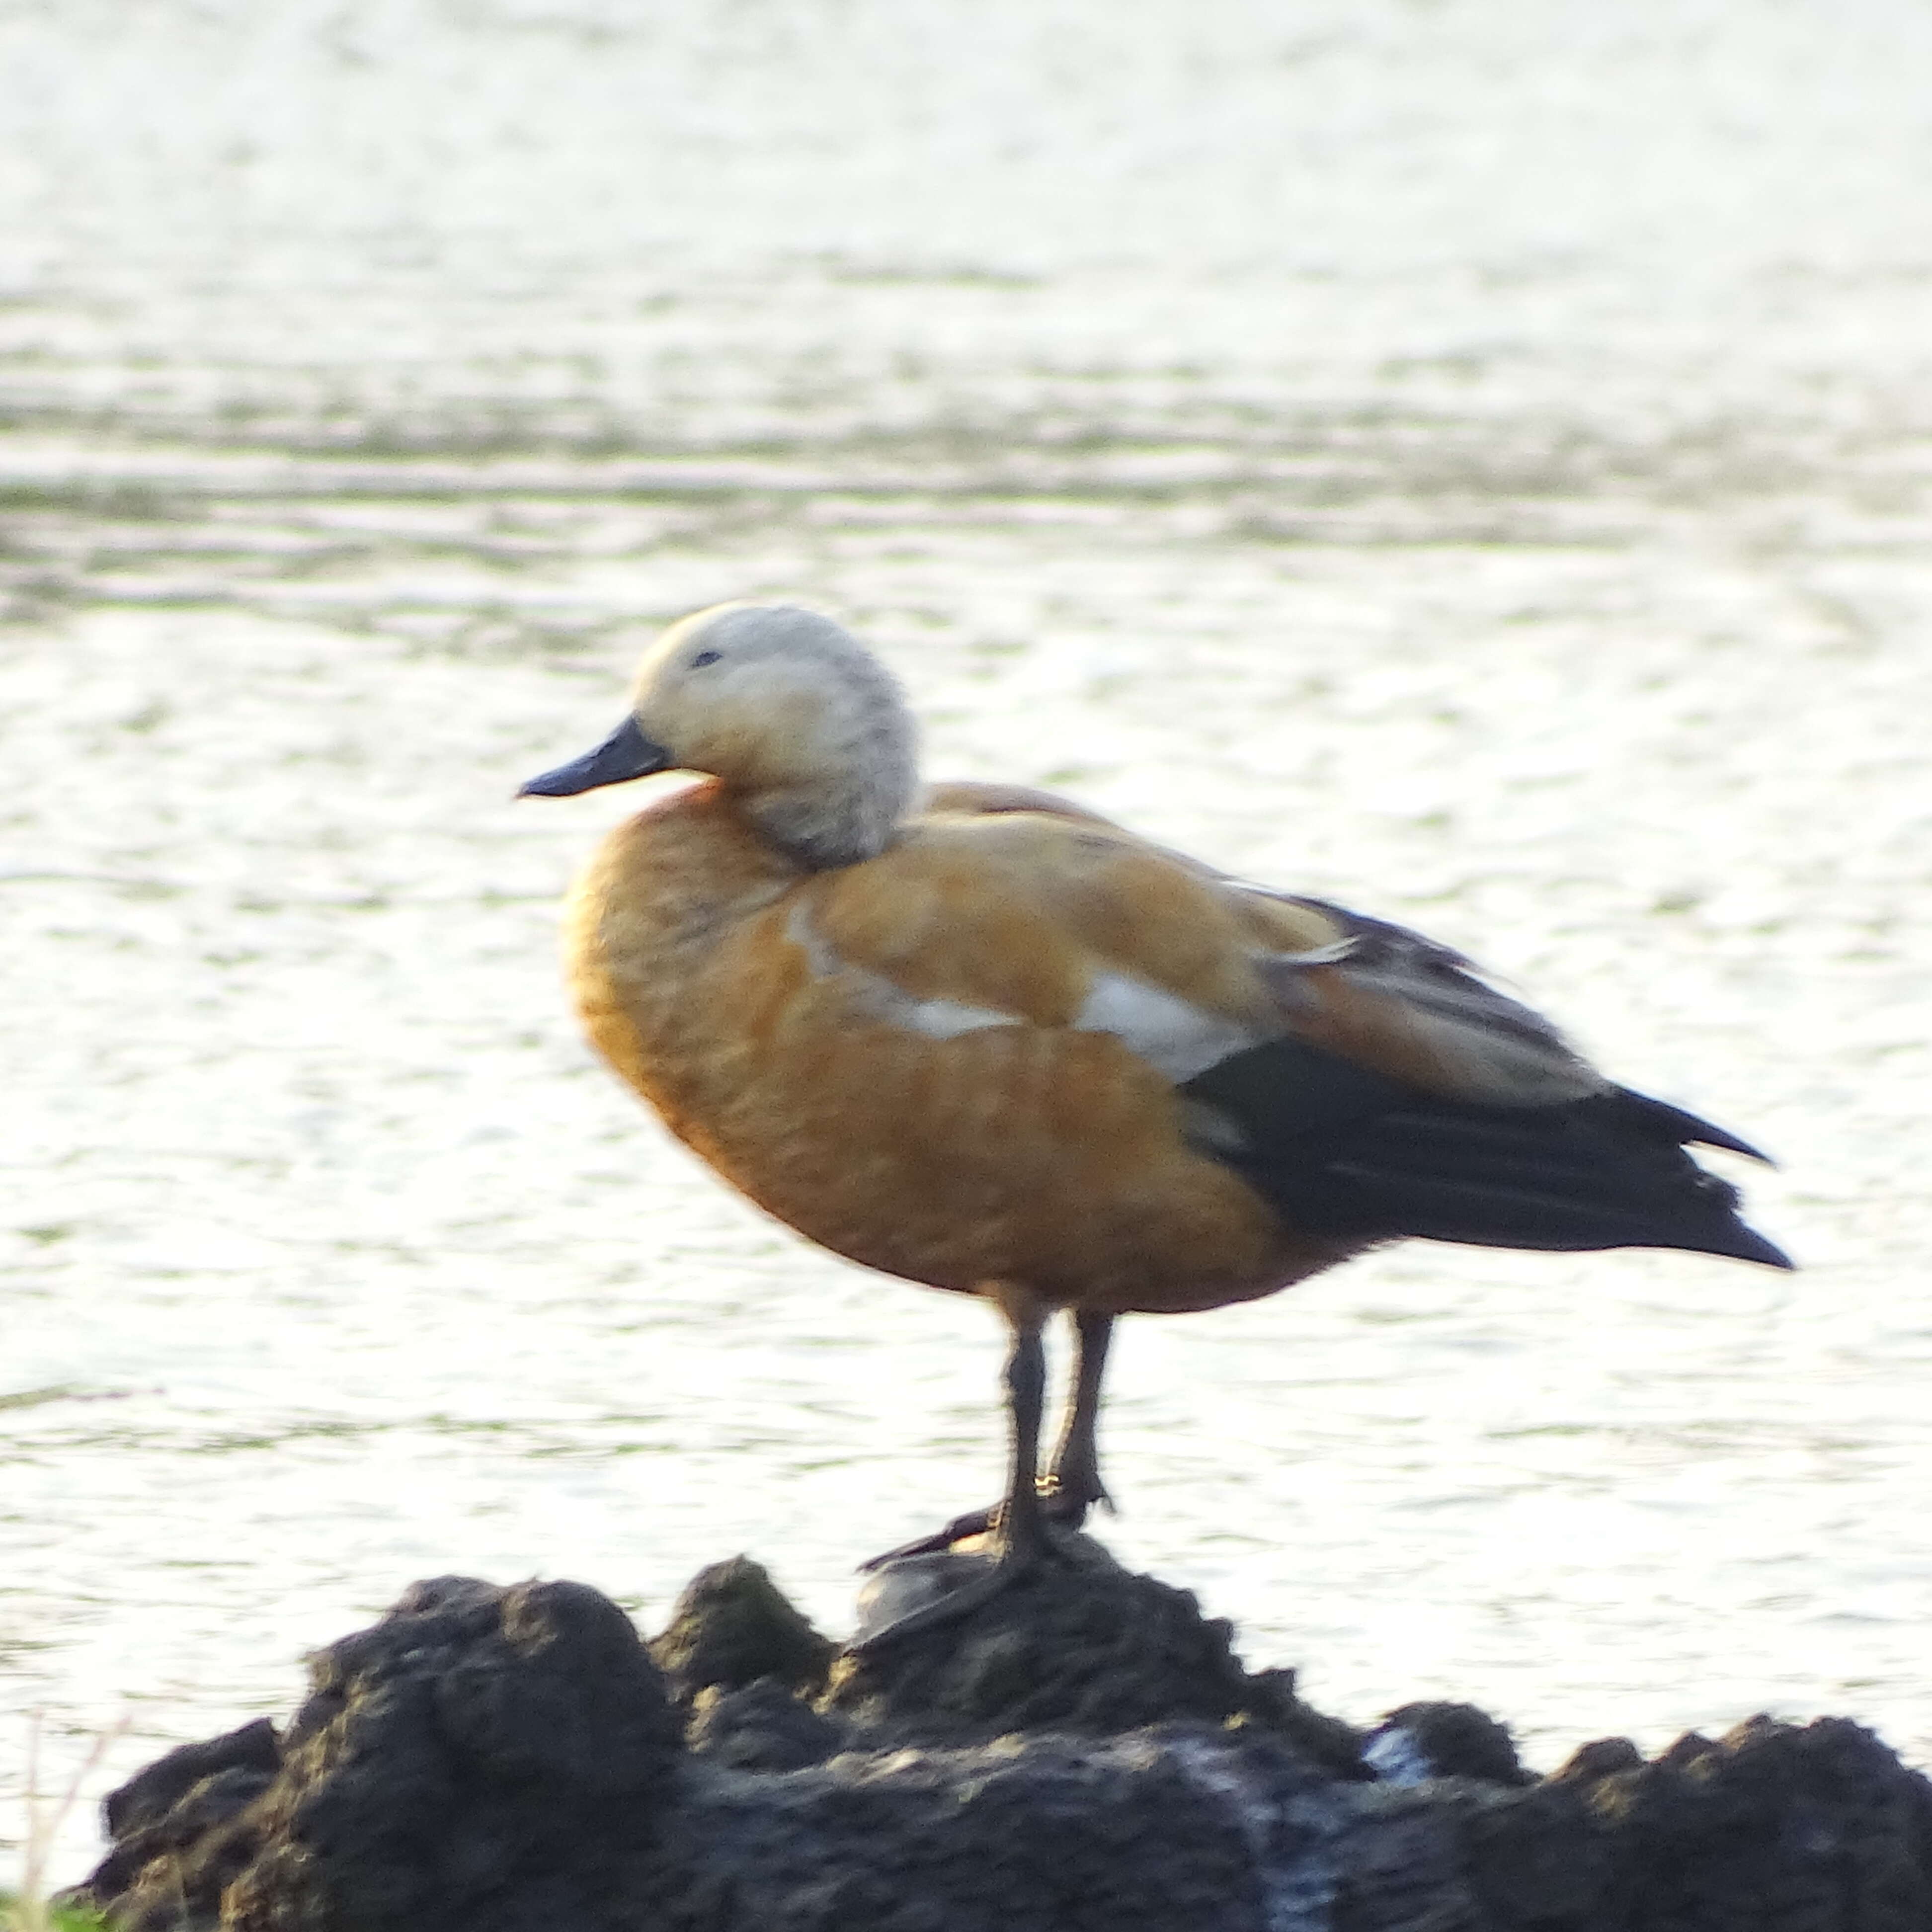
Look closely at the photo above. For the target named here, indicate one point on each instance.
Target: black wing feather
(1339, 1150)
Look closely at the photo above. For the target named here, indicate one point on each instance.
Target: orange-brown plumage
(926, 1157)
(988, 1041)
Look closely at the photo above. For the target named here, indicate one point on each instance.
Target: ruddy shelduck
(979, 1038)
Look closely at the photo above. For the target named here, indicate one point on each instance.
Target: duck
(977, 1037)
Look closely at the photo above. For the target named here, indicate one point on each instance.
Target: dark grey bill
(626, 753)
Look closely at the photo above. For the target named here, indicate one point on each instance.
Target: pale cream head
(792, 715)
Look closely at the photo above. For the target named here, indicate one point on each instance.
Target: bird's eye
(703, 659)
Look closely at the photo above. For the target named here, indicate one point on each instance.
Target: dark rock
(1599, 1758)
(1050, 1833)
(1535, 1860)
(733, 1625)
(1085, 1753)
(561, 1692)
(1774, 1828)
(1423, 1740)
(150, 1794)
(474, 1742)
(761, 1727)
(1082, 1646)
(189, 1834)
(1273, 1703)
(1686, 1751)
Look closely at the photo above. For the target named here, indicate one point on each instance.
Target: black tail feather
(1340, 1151)
(1685, 1127)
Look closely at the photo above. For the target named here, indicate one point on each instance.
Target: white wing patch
(880, 999)
(1172, 1035)
(1333, 954)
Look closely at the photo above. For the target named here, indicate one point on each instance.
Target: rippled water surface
(1469, 461)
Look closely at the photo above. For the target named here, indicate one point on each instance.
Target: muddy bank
(1087, 1752)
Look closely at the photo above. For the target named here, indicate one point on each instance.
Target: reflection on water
(1377, 460)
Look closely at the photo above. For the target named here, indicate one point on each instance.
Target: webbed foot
(1064, 1507)
(996, 1574)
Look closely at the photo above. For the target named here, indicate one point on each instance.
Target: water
(1469, 461)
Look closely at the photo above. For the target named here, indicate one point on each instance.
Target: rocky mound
(1085, 1754)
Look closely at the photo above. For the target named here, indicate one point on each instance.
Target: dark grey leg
(1022, 1526)
(1073, 1484)
(1021, 1522)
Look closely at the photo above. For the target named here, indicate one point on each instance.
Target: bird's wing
(1376, 993)
(1402, 1005)
(1020, 916)
(1363, 1079)
(1409, 1097)
(1003, 905)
